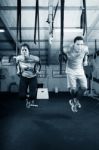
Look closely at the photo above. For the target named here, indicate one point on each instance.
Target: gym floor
(51, 126)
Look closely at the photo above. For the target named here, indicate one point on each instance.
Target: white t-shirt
(26, 66)
(75, 60)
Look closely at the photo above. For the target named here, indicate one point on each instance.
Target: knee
(73, 92)
(81, 91)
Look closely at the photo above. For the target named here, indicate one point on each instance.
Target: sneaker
(73, 106)
(77, 103)
(27, 104)
(33, 103)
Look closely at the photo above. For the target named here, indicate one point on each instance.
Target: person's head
(78, 43)
(25, 50)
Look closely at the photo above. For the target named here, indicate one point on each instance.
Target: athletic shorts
(75, 81)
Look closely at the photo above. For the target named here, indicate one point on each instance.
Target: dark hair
(25, 45)
(78, 38)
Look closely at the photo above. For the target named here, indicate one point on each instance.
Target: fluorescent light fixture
(2, 30)
(70, 30)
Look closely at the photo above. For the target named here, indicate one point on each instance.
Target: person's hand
(38, 72)
(14, 57)
(85, 63)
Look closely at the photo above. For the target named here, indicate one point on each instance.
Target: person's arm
(85, 60)
(16, 58)
(65, 50)
(36, 64)
(35, 58)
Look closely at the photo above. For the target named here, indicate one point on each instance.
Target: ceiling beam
(71, 8)
(46, 28)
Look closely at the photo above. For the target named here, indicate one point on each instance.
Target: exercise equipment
(83, 20)
(62, 33)
(19, 20)
(37, 25)
(36, 19)
(62, 58)
(53, 18)
(37, 67)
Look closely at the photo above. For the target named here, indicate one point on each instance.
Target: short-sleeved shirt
(75, 60)
(26, 66)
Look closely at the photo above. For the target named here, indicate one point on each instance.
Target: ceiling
(72, 14)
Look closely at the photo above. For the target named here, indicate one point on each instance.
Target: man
(28, 76)
(77, 57)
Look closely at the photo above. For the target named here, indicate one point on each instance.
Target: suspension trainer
(53, 18)
(18, 33)
(62, 32)
(83, 25)
(95, 55)
(55, 10)
(85, 18)
(83, 21)
(38, 31)
(36, 17)
(19, 21)
(37, 25)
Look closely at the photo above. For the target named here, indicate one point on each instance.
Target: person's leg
(23, 87)
(33, 91)
(71, 85)
(83, 85)
(73, 92)
(81, 90)
(72, 101)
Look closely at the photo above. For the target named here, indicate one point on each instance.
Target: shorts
(75, 81)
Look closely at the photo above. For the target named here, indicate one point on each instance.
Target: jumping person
(77, 58)
(28, 77)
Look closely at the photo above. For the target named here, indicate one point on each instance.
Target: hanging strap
(55, 10)
(54, 13)
(83, 21)
(62, 32)
(36, 16)
(38, 31)
(85, 18)
(19, 20)
(95, 54)
(37, 25)
(53, 17)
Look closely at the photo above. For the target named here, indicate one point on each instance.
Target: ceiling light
(2, 30)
